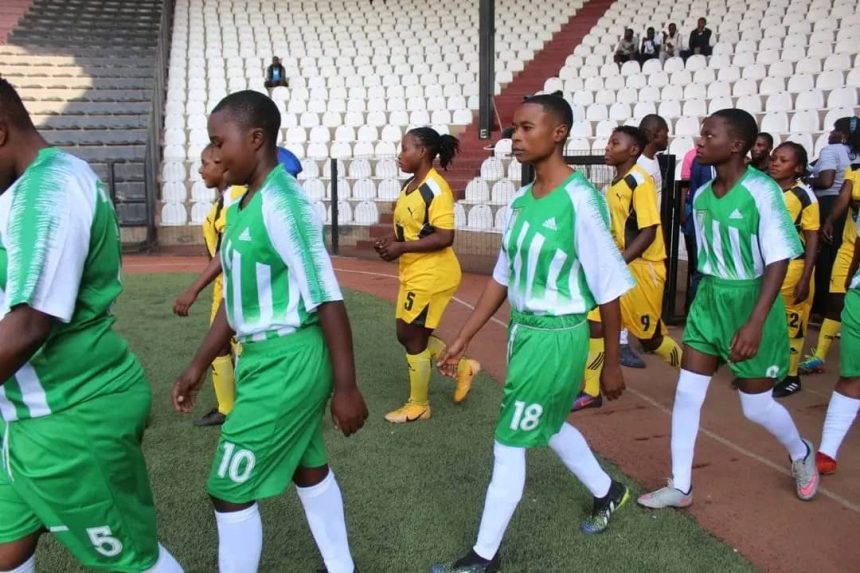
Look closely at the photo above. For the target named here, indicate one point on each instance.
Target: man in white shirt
(657, 131)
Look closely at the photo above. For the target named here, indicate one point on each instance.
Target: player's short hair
(253, 110)
(11, 106)
(850, 126)
(636, 134)
(767, 137)
(741, 125)
(800, 153)
(652, 123)
(554, 104)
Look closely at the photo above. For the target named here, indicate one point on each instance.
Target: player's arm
(441, 218)
(188, 383)
(186, 299)
(640, 244)
(645, 206)
(809, 223)
(22, 332)
(839, 209)
(348, 408)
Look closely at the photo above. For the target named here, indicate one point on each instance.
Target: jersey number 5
(104, 542)
(410, 300)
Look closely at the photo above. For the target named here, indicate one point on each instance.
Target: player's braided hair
(445, 146)
(800, 154)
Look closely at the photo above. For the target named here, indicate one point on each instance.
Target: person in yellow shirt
(429, 269)
(849, 200)
(638, 233)
(213, 229)
(788, 164)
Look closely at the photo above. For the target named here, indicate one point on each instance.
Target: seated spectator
(650, 48)
(700, 41)
(276, 75)
(671, 45)
(760, 152)
(626, 49)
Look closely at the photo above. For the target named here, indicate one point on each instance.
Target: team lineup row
(574, 265)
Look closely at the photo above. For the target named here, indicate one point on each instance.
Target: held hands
(449, 360)
(183, 302)
(388, 248)
(827, 231)
(185, 389)
(745, 342)
(612, 381)
(348, 410)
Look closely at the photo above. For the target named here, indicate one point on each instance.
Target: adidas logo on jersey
(550, 224)
(736, 215)
(245, 235)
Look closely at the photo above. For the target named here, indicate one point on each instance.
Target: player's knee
(222, 506)
(652, 344)
(309, 477)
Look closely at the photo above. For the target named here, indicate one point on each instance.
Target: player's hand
(745, 342)
(391, 250)
(827, 231)
(612, 381)
(348, 411)
(183, 302)
(449, 360)
(801, 292)
(185, 389)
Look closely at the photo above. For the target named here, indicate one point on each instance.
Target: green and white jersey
(855, 280)
(60, 255)
(558, 256)
(276, 269)
(746, 230)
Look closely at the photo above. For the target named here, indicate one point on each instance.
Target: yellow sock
(594, 366)
(829, 331)
(670, 352)
(225, 385)
(435, 346)
(796, 345)
(419, 377)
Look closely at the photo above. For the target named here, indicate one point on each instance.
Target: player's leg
(223, 380)
(794, 315)
(832, 324)
(641, 309)
(589, 396)
(17, 556)
(414, 338)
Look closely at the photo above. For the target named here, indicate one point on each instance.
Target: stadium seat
(480, 218)
(315, 189)
(366, 213)
(477, 191)
(492, 169)
(173, 214)
(502, 192)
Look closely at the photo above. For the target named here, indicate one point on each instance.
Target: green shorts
(849, 357)
(720, 309)
(282, 387)
(546, 363)
(80, 474)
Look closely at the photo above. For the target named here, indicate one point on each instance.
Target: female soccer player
(212, 173)
(429, 270)
(787, 165)
(557, 261)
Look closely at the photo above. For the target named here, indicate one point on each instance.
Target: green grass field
(413, 493)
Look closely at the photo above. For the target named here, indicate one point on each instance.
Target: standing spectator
(276, 75)
(700, 41)
(626, 49)
(760, 152)
(828, 172)
(671, 45)
(650, 48)
(656, 131)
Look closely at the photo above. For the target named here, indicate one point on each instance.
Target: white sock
(28, 566)
(240, 540)
(840, 415)
(323, 505)
(571, 447)
(503, 495)
(689, 397)
(622, 336)
(773, 417)
(166, 562)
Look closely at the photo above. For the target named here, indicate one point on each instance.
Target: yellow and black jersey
(632, 201)
(419, 213)
(852, 175)
(216, 220)
(803, 208)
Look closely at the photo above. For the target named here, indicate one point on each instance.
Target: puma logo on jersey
(550, 224)
(736, 215)
(245, 235)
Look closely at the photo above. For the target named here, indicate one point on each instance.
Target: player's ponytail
(444, 146)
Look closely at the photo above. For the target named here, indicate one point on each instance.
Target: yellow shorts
(839, 274)
(422, 307)
(642, 306)
(796, 314)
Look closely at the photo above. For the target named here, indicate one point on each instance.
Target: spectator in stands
(670, 47)
(650, 48)
(626, 49)
(276, 75)
(700, 41)
(828, 173)
(656, 131)
(760, 152)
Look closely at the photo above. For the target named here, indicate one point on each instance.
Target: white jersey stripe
(573, 284)
(33, 395)
(717, 245)
(7, 409)
(264, 293)
(757, 256)
(533, 258)
(737, 257)
(552, 277)
(518, 265)
(236, 276)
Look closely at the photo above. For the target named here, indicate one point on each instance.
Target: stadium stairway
(546, 63)
(10, 12)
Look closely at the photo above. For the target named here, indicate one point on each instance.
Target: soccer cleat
(668, 496)
(604, 508)
(464, 380)
(825, 464)
(409, 412)
(470, 563)
(789, 385)
(211, 418)
(805, 474)
(585, 400)
(629, 358)
(811, 365)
